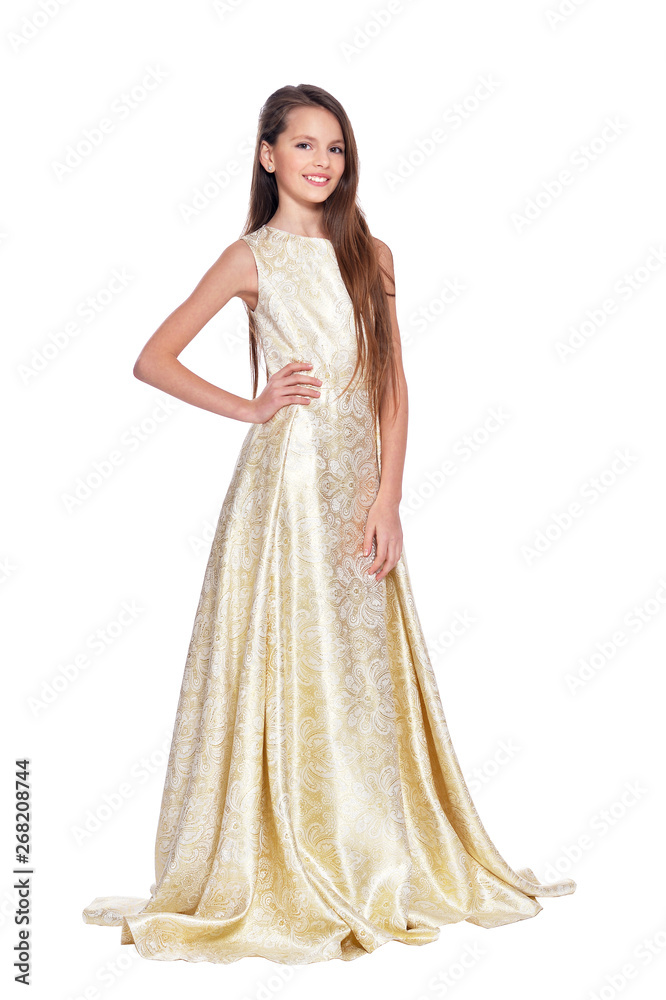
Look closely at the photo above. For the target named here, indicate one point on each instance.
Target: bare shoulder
(385, 255)
(385, 258)
(238, 255)
(238, 265)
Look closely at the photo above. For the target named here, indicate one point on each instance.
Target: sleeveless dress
(314, 807)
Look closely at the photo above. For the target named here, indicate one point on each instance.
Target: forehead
(313, 124)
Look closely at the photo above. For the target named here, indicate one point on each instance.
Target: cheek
(293, 164)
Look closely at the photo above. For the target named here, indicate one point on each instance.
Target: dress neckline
(298, 236)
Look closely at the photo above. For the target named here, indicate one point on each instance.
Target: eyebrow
(339, 142)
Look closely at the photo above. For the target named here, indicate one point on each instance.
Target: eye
(339, 148)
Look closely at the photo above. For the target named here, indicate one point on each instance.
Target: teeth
(317, 180)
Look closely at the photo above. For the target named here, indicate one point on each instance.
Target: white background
(577, 752)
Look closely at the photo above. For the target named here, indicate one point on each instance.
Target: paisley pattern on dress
(313, 807)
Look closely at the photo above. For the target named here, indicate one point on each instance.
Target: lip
(322, 183)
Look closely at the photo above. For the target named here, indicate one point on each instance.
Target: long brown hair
(345, 225)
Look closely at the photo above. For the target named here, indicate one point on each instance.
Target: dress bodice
(303, 312)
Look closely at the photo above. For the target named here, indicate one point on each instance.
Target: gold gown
(314, 807)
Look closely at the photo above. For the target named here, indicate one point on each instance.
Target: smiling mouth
(318, 179)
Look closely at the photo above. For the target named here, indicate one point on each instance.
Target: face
(308, 158)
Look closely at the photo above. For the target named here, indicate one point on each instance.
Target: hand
(282, 388)
(384, 523)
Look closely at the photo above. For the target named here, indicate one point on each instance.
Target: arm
(383, 516)
(233, 273)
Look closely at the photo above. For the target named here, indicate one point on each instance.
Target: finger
(299, 377)
(380, 556)
(302, 380)
(301, 397)
(307, 390)
(297, 369)
(390, 562)
(294, 384)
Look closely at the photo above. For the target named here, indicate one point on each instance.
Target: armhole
(248, 244)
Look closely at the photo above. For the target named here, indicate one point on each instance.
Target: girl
(314, 807)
